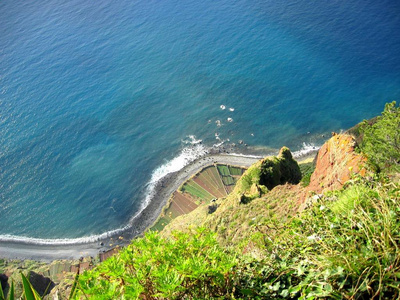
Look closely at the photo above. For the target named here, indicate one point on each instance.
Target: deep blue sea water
(100, 98)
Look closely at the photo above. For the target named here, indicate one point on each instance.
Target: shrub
(381, 140)
(185, 267)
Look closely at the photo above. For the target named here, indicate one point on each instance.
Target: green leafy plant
(29, 293)
(306, 171)
(381, 140)
(187, 266)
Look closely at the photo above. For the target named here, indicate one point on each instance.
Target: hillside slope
(335, 236)
(286, 242)
(252, 202)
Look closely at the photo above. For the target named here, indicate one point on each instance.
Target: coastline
(163, 190)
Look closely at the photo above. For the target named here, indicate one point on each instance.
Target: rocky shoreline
(49, 252)
(163, 190)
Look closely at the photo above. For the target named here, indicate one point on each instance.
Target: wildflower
(313, 237)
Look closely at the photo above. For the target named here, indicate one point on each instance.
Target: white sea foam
(191, 140)
(306, 149)
(72, 241)
(219, 144)
(245, 155)
(188, 154)
(193, 150)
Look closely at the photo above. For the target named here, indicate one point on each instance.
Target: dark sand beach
(163, 191)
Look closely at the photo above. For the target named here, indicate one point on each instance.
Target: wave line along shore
(48, 251)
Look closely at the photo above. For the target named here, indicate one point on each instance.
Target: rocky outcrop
(266, 174)
(336, 162)
(3, 281)
(43, 285)
(279, 170)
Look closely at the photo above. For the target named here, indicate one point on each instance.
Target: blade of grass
(74, 285)
(11, 297)
(29, 291)
(1, 293)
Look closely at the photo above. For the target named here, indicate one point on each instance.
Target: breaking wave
(305, 149)
(193, 149)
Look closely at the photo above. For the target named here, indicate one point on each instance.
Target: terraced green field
(195, 190)
(235, 171)
(223, 170)
(228, 180)
(212, 182)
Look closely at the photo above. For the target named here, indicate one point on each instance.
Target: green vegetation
(344, 245)
(223, 170)
(161, 223)
(272, 171)
(197, 191)
(381, 140)
(250, 177)
(306, 170)
(29, 293)
(228, 180)
(191, 266)
(235, 171)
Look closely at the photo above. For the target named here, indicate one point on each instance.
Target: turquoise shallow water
(97, 97)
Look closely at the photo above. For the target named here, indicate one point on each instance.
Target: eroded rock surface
(336, 162)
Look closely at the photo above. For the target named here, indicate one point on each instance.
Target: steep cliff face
(336, 162)
(267, 188)
(270, 189)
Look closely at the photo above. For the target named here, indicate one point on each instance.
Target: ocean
(101, 99)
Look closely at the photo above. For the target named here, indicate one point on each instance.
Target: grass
(223, 170)
(228, 180)
(235, 171)
(196, 191)
(306, 171)
(161, 223)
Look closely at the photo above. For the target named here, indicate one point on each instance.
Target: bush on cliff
(272, 171)
(185, 267)
(346, 246)
(381, 140)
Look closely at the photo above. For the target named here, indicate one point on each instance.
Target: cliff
(262, 242)
(272, 237)
(270, 189)
(336, 162)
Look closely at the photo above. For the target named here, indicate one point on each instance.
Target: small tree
(381, 141)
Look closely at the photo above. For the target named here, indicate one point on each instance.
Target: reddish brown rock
(336, 162)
